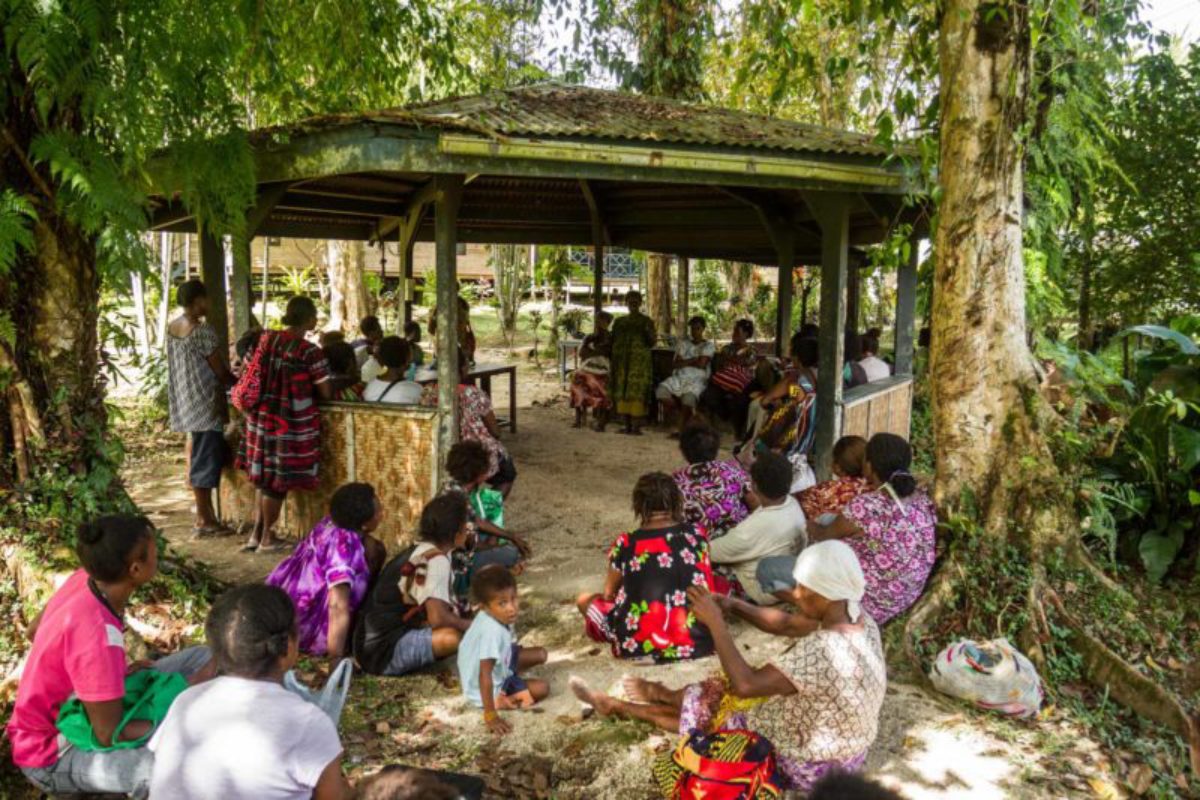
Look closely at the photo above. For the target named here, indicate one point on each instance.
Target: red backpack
(247, 392)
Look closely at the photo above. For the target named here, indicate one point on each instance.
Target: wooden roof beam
(600, 229)
(416, 204)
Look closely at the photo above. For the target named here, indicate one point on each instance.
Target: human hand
(138, 666)
(496, 725)
(522, 547)
(705, 607)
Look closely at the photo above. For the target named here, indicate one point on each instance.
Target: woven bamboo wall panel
(887, 411)
(391, 449)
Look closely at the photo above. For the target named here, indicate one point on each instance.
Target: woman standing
(643, 609)
(281, 449)
(817, 703)
(892, 529)
(632, 365)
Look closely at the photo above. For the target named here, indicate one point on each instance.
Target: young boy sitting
(489, 661)
(849, 464)
(468, 466)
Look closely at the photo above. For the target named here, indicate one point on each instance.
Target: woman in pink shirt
(79, 648)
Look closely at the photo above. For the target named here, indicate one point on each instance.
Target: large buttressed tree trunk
(995, 472)
(349, 300)
(658, 292)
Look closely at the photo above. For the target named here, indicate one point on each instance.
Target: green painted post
(212, 271)
(906, 309)
(833, 213)
(448, 196)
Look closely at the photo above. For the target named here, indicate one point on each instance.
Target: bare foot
(597, 700)
(640, 690)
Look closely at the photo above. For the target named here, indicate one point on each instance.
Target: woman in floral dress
(817, 702)
(716, 494)
(643, 609)
(589, 382)
(848, 482)
(892, 529)
(328, 574)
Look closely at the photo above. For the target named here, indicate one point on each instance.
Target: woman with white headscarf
(817, 702)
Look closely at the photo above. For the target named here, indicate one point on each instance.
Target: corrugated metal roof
(556, 110)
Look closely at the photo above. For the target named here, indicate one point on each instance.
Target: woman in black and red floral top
(643, 610)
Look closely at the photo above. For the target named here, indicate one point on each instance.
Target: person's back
(391, 386)
(239, 737)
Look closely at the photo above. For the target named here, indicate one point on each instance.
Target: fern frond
(17, 216)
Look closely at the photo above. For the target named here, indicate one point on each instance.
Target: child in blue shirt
(489, 660)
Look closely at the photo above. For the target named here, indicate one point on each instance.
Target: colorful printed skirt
(589, 390)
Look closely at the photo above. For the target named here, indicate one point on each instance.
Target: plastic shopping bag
(992, 675)
(331, 698)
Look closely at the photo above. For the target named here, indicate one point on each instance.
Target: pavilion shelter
(556, 164)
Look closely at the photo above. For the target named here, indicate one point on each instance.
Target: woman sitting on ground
(682, 389)
(727, 395)
(783, 417)
(589, 382)
(392, 386)
(343, 371)
(328, 573)
(716, 493)
(848, 482)
(477, 423)
(642, 610)
(818, 702)
(79, 650)
(488, 542)
(410, 619)
(243, 734)
(892, 528)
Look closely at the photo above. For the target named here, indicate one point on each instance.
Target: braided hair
(890, 456)
(656, 492)
(249, 630)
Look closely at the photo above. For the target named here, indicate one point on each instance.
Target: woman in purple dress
(892, 529)
(328, 574)
(716, 494)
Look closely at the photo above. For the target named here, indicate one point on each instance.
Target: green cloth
(148, 696)
(632, 365)
(489, 505)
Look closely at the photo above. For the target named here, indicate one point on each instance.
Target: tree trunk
(658, 292)
(349, 301)
(166, 251)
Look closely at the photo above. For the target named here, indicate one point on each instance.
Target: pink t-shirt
(79, 647)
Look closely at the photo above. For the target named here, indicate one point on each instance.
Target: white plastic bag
(331, 698)
(992, 675)
(803, 476)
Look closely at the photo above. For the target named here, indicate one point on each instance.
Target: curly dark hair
(353, 505)
(699, 443)
(657, 492)
(249, 628)
(442, 518)
(467, 461)
(341, 358)
(393, 352)
(772, 475)
(745, 326)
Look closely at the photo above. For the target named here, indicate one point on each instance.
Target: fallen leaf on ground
(1103, 789)
(1140, 778)
(1181, 781)
(383, 727)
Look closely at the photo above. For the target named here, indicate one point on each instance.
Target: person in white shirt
(364, 346)
(875, 367)
(242, 734)
(776, 528)
(685, 385)
(391, 386)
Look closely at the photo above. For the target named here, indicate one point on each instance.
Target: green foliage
(709, 297)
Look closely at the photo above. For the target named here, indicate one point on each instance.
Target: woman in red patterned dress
(281, 448)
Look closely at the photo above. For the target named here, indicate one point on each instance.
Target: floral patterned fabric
(830, 497)
(650, 614)
(281, 447)
(473, 407)
(712, 495)
(328, 557)
(896, 548)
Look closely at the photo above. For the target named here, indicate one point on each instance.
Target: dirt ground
(570, 500)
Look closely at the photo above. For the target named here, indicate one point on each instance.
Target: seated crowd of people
(822, 566)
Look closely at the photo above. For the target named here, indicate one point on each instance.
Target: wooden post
(212, 270)
(906, 308)
(785, 247)
(266, 281)
(681, 288)
(599, 236)
(853, 294)
(240, 290)
(833, 214)
(448, 194)
(407, 286)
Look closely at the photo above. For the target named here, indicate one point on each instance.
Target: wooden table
(483, 374)
(565, 345)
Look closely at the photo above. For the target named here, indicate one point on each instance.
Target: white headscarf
(831, 569)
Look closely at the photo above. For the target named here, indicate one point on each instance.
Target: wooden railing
(881, 407)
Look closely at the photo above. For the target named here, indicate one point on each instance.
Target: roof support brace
(447, 199)
(240, 289)
(832, 212)
(599, 239)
